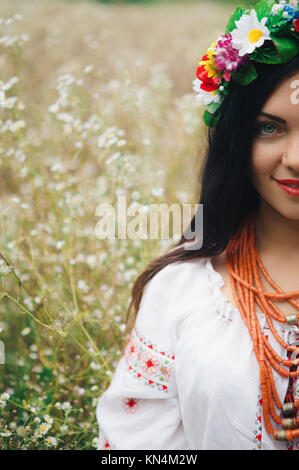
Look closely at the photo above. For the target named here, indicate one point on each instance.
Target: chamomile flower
(10, 102)
(15, 126)
(66, 406)
(48, 419)
(21, 430)
(44, 428)
(51, 441)
(250, 33)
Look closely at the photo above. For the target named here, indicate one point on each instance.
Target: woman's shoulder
(179, 285)
(181, 272)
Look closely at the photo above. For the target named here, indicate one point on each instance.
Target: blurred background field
(96, 101)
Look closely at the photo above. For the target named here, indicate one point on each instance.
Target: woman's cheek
(264, 161)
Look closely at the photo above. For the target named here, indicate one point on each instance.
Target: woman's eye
(264, 128)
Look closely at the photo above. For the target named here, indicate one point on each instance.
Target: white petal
(253, 15)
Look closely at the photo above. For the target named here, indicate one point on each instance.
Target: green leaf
(263, 8)
(245, 74)
(231, 25)
(266, 54)
(278, 25)
(213, 107)
(209, 119)
(287, 48)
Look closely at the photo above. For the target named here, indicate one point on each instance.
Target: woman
(213, 355)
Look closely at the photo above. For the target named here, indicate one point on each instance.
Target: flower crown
(267, 33)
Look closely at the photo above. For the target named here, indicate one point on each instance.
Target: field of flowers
(96, 101)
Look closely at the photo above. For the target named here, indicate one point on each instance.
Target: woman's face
(275, 150)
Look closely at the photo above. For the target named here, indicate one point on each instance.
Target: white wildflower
(58, 166)
(92, 260)
(21, 430)
(88, 68)
(66, 406)
(95, 366)
(157, 192)
(8, 85)
(95, 442)
(60, 244)
(44, 428)
(66, 117)
(48, 419)
(82, 285)
(10, 102)
(66, 79)
(146, 141)
(15, 126)
(79, 390)
(6, 433)
(54, 108)
(51, 441)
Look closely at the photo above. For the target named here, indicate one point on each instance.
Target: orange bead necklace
(243, 263)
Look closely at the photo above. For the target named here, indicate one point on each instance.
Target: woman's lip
(288, 181)
(287, 189)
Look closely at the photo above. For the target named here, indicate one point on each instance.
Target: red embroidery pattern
(258, 422)
(131, 405)
(103, 443)
(148, 362)
(107, 445)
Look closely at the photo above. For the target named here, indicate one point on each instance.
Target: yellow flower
(210, 62)
(211, 71)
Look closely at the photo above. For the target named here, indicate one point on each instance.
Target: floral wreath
(267, 33)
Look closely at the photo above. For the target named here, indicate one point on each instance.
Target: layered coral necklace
(244, 263)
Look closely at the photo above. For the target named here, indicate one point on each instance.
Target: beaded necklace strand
(243, 263)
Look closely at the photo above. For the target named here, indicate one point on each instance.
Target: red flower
(209, 83)
(296, 24)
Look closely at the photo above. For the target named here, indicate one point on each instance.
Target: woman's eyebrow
(271, 116)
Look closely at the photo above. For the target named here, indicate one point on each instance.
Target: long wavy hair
(226, 190)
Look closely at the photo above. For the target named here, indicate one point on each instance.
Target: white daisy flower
(48, 419)
(10, 102)
(21, 430)
(51, 441)
(66, 406)
(44, 428)
(15, 126)
(250, 33)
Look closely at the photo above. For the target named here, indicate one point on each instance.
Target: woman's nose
(291, 156)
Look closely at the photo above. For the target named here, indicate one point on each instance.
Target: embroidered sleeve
(149, 363)
(140, 408)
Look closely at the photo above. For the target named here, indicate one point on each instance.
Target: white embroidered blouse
(189, 378)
